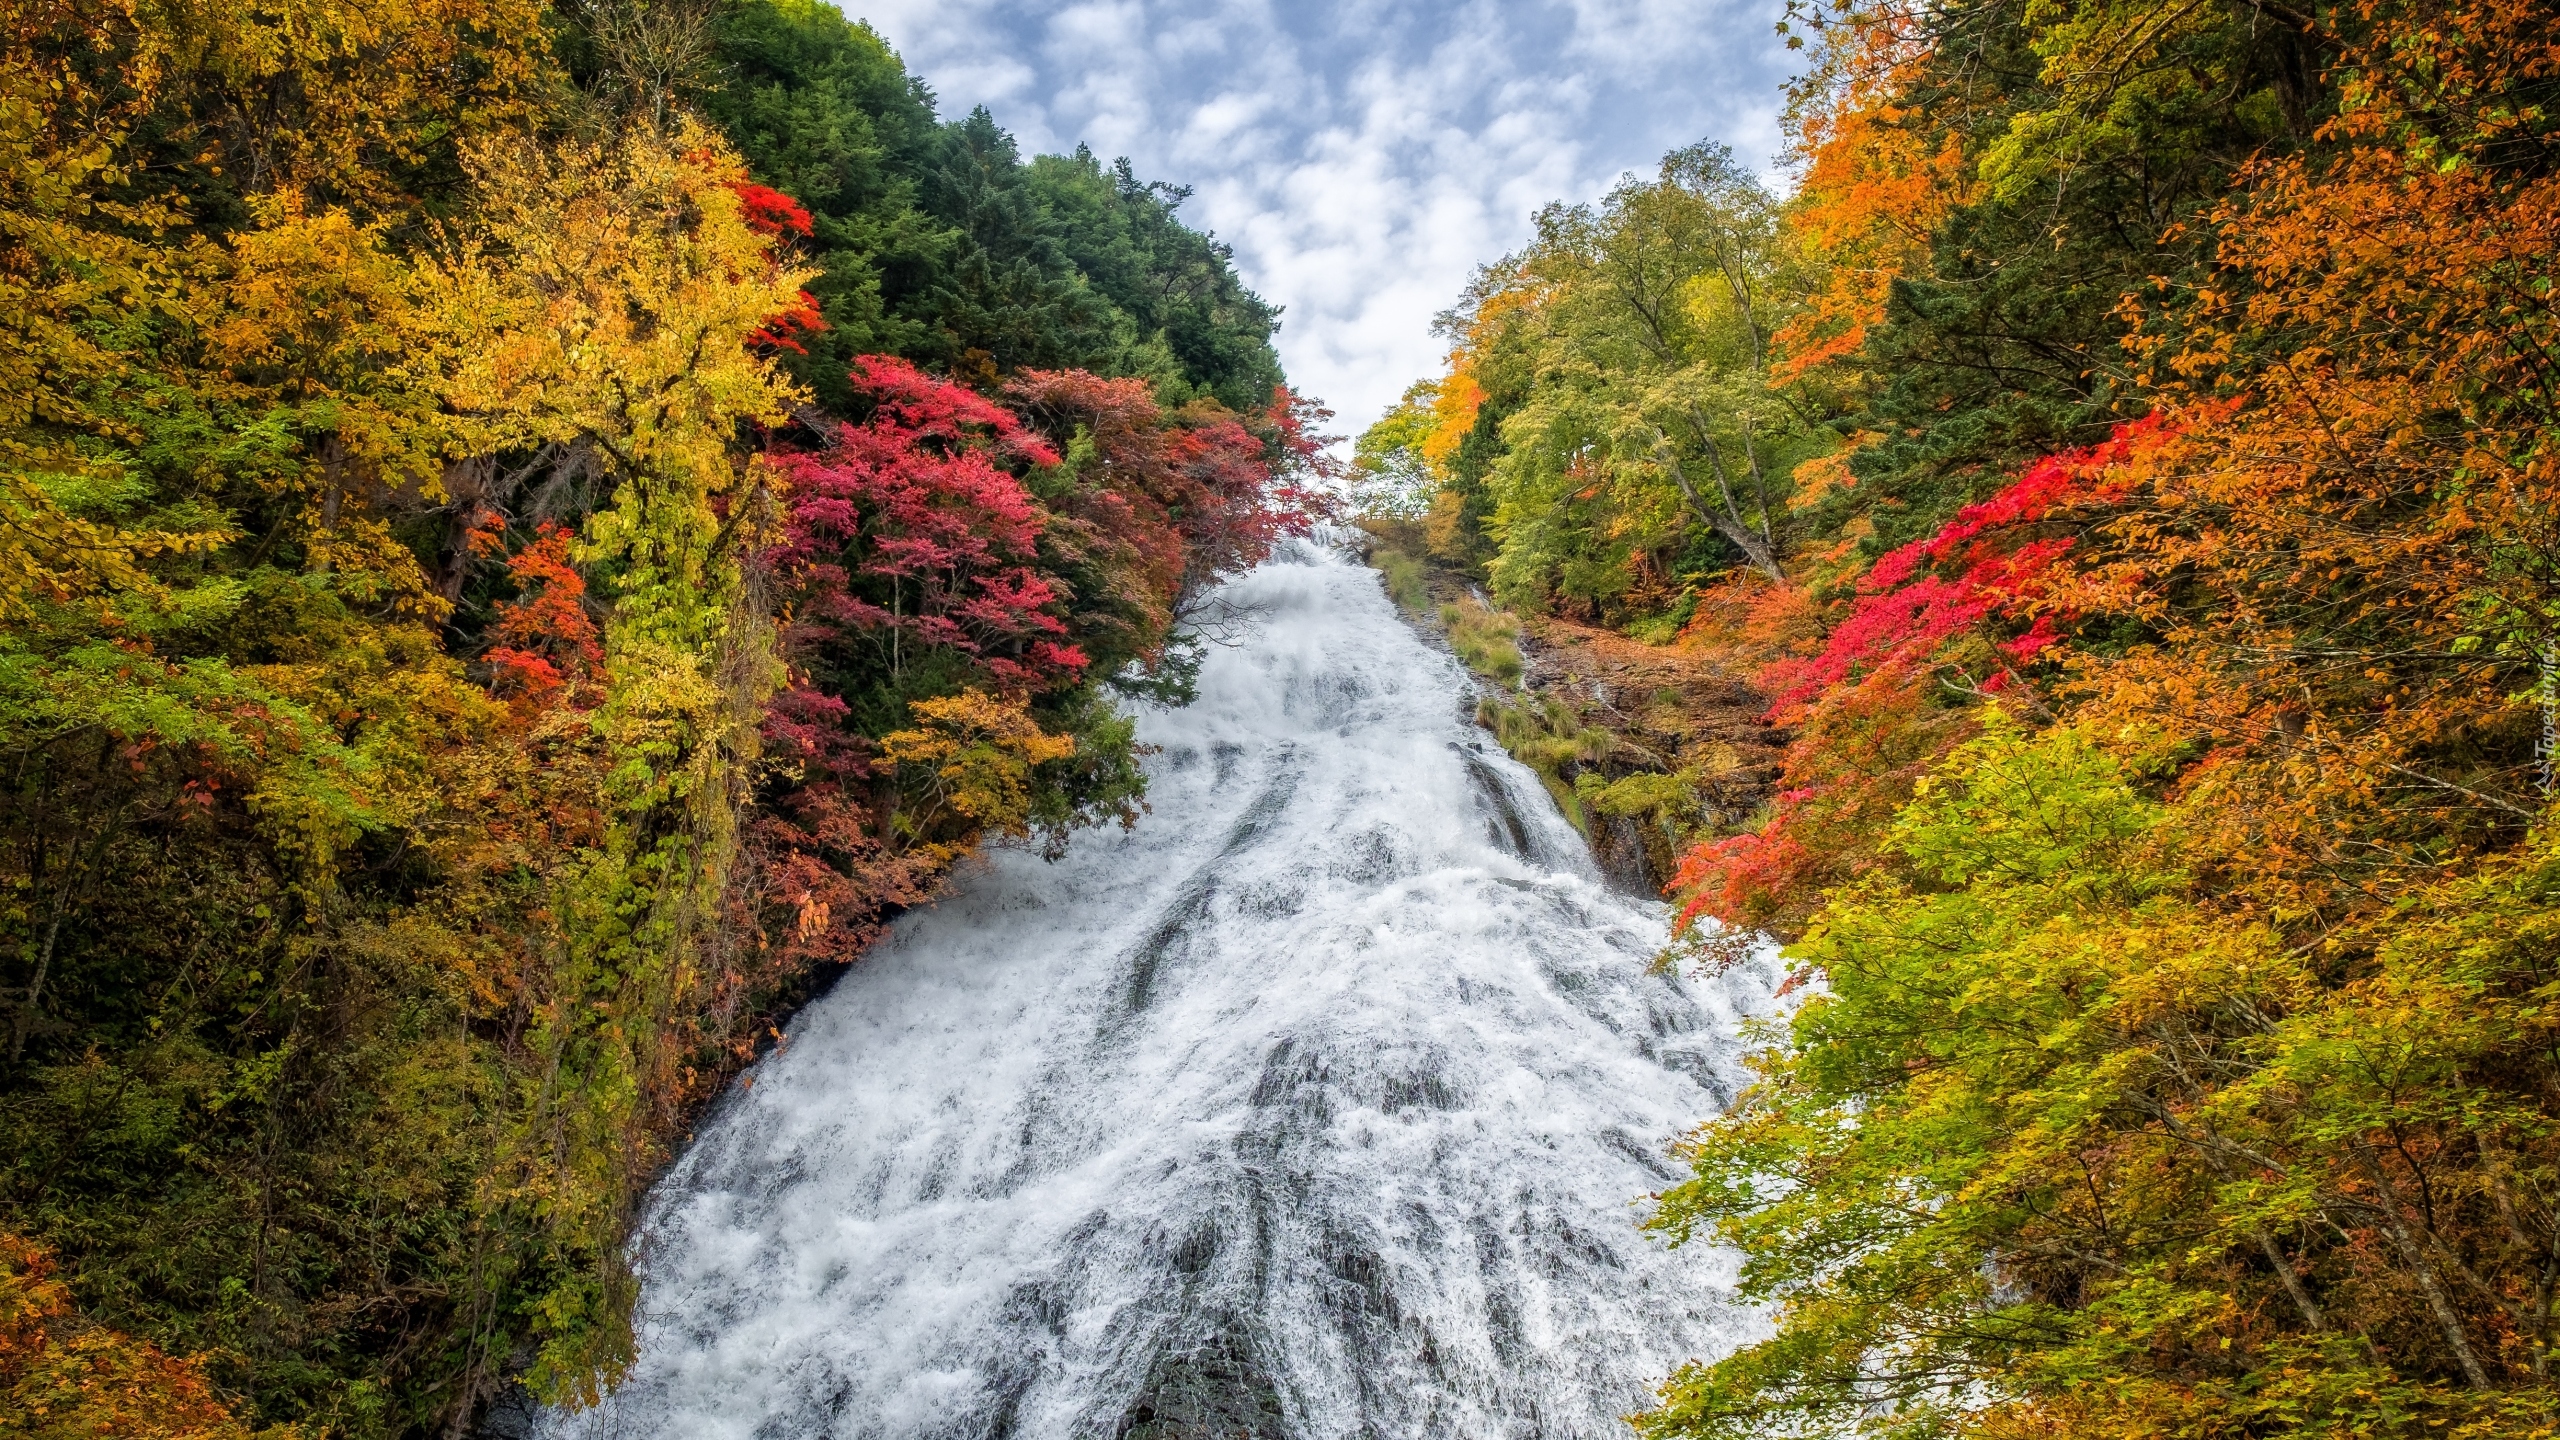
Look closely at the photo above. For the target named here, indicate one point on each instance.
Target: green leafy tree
(2051, 1149)
(1396, 478)
(1647, 437)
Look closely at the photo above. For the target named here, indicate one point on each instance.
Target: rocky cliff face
(1671, 714)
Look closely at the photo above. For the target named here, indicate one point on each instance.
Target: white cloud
(1361, 158)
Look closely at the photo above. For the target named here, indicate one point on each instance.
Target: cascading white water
(1316, 1107)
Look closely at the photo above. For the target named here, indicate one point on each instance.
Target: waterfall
(1319, 1105)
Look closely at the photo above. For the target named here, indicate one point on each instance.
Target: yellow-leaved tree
(971, 756)
(593, 320)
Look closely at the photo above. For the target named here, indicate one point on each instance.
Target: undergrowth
(1544, 733)
(1408, 580)
(1488, 640)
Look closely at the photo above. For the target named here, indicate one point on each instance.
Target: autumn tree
(2178, 1070)
(910, 551)
(2055, 1150)
(2346, 570)
(1637, 436)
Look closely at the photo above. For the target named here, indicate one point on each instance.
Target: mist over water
(1318, 1106)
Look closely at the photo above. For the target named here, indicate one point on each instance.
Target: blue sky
(1361, 158)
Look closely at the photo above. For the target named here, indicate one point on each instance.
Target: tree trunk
(466, 485)
(1755, 548)
(2430, 1285)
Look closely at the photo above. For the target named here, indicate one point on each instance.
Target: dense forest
(2124, 457)
(527, 532)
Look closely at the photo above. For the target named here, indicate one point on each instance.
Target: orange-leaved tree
(2347, 576)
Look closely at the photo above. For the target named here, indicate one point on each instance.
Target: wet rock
(1210, 1391)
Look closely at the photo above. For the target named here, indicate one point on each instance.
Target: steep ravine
(1317, 1107)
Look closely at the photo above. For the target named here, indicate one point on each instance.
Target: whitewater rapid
(1319, 1106)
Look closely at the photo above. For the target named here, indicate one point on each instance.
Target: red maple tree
(906, 537)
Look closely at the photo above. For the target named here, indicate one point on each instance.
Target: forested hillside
(527, 531)
(2123, 456)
